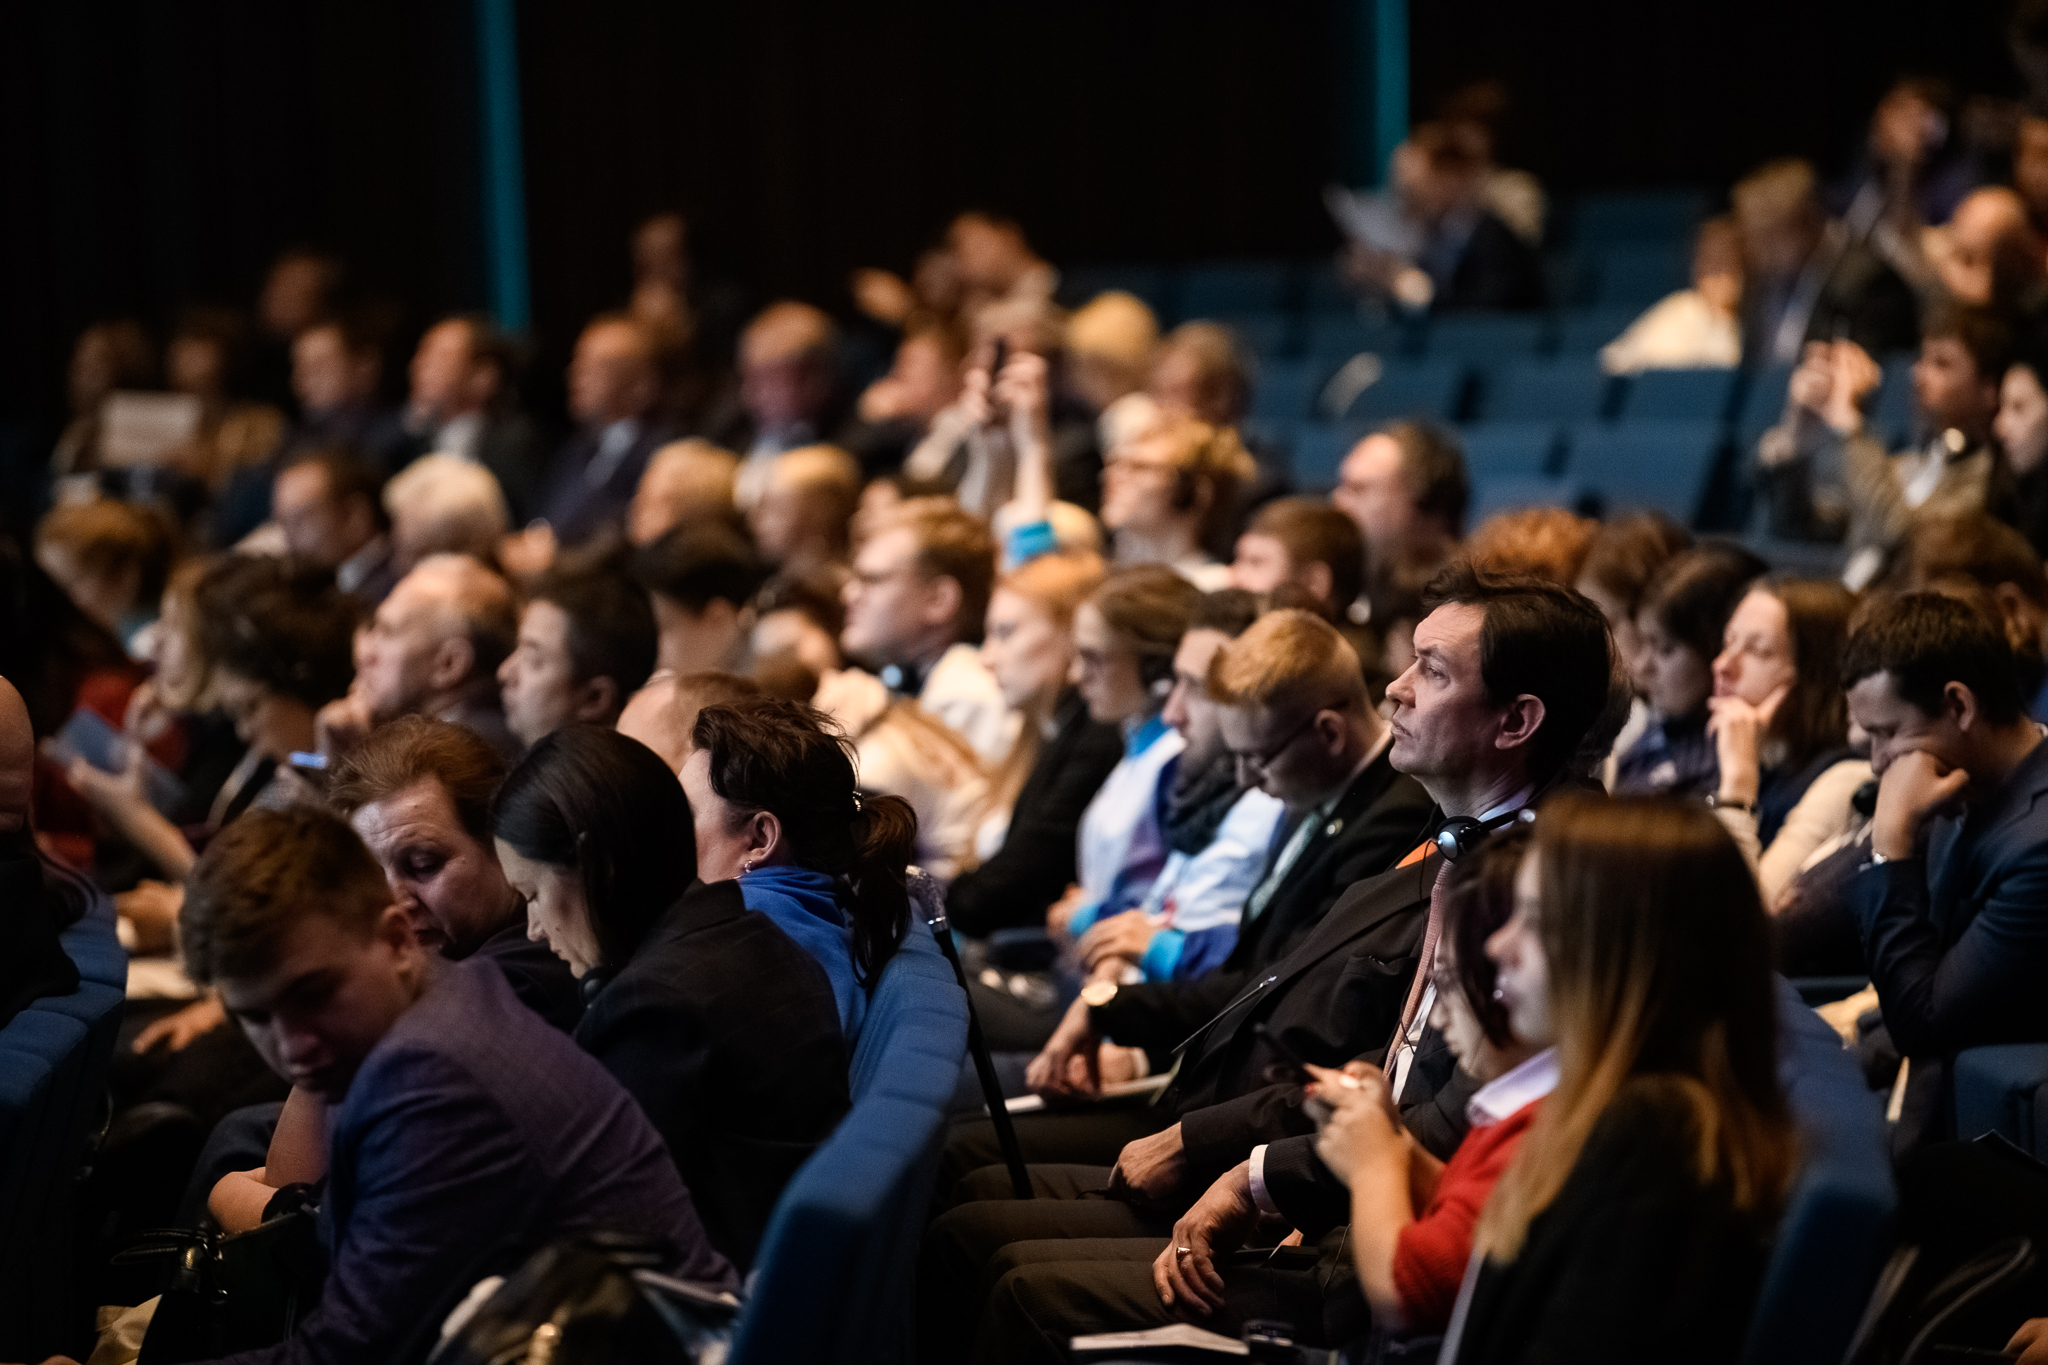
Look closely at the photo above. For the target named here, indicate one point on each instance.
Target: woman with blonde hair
(1061, 756)
(1637, 1214)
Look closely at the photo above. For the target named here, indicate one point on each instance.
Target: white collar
(1515, 802)
(1507, 1093)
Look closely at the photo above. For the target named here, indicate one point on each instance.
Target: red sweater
(1431, 1253)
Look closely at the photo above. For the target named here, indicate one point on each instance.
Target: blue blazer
(1956, 938)
(474, 1135)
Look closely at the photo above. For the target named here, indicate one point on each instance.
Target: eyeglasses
(1260, 762)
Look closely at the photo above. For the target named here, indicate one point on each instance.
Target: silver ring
(1182, 1251)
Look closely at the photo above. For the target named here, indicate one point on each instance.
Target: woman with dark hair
(723, 1028)
(771, 784)
(1678, 628)
(1637, 1215)
(1412, 1216)
(1788, 778)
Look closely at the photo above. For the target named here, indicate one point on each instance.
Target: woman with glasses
(1125, 636)
(1169, 493)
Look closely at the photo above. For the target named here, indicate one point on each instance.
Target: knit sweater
(1431, 1253)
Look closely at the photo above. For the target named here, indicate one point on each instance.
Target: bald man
(1995, 258)
(36, 902)
(432, 649)
(614, 381)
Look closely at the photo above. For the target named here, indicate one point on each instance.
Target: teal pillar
(1390, 82)
(504, 168)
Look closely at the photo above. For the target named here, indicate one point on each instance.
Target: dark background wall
(158, 153)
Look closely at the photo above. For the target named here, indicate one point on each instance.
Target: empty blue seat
(1485, 337)
(1285, 390)
(1641, 273)
(1233, 287)
(1512, 449)
(1836, 1231)
(25, 1112)
(96, 951)
(1585, 330)
(1263, 334)
(1762, 403)
(1694, 395)
(1655, 466)
(1567, 389)
(1319, 448)
(1432, 389)
(1339, 335)
(1597, 220)
(1997, 1091)
(834, 1274)
(1080, 283)
(1322, 292)
(1492, 495)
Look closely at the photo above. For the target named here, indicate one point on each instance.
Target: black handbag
(591, 1300)
(236, 1293)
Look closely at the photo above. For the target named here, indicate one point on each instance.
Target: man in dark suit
(614, 381)
(1806, 280)
(1511, 675)
(466, 1132)
(462, 404)
(1953, 906)
(327, 503)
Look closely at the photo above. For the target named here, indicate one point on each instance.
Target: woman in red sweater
(1411, 1215)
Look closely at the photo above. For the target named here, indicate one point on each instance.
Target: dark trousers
(1093, 1136)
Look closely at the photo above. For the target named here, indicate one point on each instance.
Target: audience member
(1125, 637)
(773, 793)
(1639, 951)
(799, 620)
(2030, 163)
(1826, 474)
(443, 505)
(433, 649)
(1696, 328)
(1951, 902)
(613, 385)
(1169, 493)
(467, 1133)
(914, 605)
(695, 691)
(1805, 279)
(41, 901)
(1626, 553)
(1546, 542)
(1306, 542)
(897, 411)
(1999, 561)
(650, 717)
(995, 261)
(463, 404)
(1481, 726)
(1219, 833)
(1199, 371)
(686, 481)
(1992, 256)
(1412, 1216)
(111, 558)
(108, 356)
(1110, 346)
(789, 382)
(1677, 636)
(719, 1024)
(801, 519)
(206, 358)
(586, 644)
(1406, 487)
(327, 504)
(701, 578)
(338, 376)
(1058, 762)
(2022, 431)
(418, 794)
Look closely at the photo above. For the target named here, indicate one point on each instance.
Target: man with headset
(1513, 681)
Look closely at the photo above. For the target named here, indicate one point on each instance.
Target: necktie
(1416, 988)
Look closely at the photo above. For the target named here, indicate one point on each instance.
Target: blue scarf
(809, 906)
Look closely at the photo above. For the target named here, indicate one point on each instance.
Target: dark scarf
(1200, 798)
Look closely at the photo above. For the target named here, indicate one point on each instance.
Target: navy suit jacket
(579, 509)
(1956, 939)
(473, 1135)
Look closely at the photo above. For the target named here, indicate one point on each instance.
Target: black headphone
(1461, 833)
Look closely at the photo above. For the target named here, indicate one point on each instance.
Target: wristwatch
(1098, 993)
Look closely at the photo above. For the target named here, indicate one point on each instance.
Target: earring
(746, 867)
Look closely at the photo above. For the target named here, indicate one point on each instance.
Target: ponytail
(886, 831)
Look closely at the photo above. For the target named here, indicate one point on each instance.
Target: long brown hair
(1660, 991)
(1814, 717)
(1056, 584)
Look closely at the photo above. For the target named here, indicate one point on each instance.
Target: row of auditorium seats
(53, 1068)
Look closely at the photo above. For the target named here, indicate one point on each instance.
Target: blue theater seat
(833, 1278)
(2002, 1090)
(1640, 273)
(1585, 330)
(1652, 466)
(1601, 220)
(1485, 338)
(1687, 395)
(1219, 287)
(1837, 1227)
(1511, 449)
(1285, 390)
(1319, 449)
(1336, 337)
(1511, 492)
(1431, 389)
(1567, 389)
(1261, 334)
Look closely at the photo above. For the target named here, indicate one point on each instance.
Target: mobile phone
(999, 359)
